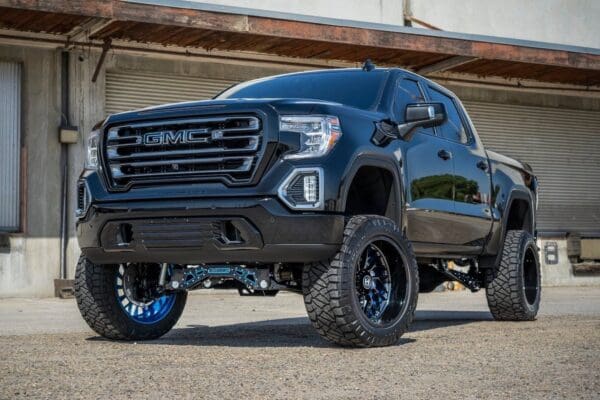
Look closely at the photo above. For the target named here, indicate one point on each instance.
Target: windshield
(354, 88)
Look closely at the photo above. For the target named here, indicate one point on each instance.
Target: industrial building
(529, 75)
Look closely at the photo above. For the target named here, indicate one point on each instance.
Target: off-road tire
(513, 289)
(329, 293)
(99, 307)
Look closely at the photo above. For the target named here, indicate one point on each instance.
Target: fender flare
(517, 193)
(388, 164)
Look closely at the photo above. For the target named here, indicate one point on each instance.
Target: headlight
(91, 161)
(318, 133)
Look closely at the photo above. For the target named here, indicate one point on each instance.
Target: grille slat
(216, 160)
(113, 154)
(193, 148)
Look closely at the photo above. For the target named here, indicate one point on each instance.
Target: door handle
(444, 154)
(482, 165)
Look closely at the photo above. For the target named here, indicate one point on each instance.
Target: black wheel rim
(381, 282)
(531, 284)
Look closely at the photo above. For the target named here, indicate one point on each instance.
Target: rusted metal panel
(84, 8)
(294, 38)
(270, 27)
(419, 43)
(538, 72)
(38, 21)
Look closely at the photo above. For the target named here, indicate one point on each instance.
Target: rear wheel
(122, 302)
(514, 287)
(367, 294)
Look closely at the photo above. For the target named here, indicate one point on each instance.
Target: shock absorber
(163, 275)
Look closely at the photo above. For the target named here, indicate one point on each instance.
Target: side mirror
(425, 115)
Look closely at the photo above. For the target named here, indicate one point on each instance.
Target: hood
(188, 108)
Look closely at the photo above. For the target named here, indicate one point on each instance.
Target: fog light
(303, 189)
(83, 199)
(310, 188)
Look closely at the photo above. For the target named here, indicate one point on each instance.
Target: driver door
(429, 171)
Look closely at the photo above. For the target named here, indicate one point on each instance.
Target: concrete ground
(225, 346)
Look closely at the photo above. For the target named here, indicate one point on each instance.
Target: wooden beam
(445, 65)
(89, 29)
(318, 32)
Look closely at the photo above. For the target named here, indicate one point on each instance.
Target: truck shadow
(297, 332)
(428, 320)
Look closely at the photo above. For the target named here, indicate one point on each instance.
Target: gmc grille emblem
(185, 136)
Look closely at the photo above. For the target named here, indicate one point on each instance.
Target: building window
(10, 146)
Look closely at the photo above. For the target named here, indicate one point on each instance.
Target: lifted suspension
(193, 276)
(471, 280)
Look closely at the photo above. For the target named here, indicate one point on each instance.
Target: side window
(453, 129)
(408, 92)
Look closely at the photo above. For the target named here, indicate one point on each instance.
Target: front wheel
(120, 302)
(367, 294)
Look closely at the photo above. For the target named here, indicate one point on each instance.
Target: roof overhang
(209, 27)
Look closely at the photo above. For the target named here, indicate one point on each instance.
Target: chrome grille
(212, 148)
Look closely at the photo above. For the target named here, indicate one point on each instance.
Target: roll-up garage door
(563, 148)
(129, 90)
(10, 146)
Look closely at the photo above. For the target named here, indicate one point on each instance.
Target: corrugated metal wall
(127, 90)
(563, 148)
(10, 145)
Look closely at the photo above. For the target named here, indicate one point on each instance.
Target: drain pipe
(64, 155)
(407, 13)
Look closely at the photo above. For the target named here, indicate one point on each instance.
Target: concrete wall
(561, 273)
(573, 22)
(378, 11)
(32, 262)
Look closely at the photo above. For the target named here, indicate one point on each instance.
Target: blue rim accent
(373, 283)
(146, 313)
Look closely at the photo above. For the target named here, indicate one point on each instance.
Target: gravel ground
(230, 347)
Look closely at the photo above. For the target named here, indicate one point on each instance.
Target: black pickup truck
(358, 188)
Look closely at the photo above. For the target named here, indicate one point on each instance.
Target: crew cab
(358, 188)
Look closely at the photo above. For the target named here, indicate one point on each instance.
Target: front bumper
(197, 231)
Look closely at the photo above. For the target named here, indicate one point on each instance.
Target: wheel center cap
(367, 281)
